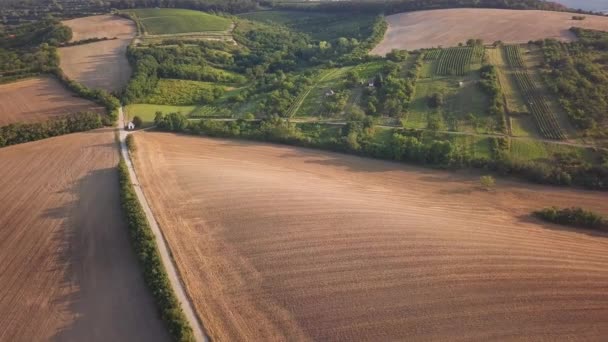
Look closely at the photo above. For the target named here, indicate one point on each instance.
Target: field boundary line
(164, 251)
(295, 106)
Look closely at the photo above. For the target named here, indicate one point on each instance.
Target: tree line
(414, 146)
(19, 133)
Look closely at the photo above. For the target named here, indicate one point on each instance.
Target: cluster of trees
(21, 133)
(490, 85)
(392, 91)
(155, 276)
(575, 216)
(183, 93)
(576, 72)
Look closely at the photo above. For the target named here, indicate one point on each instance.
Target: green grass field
(529, 149)
(183, 92)
(459, 101)
(147, 111)
(173, 21)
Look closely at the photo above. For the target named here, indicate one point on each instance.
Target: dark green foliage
(173, 122)
(137, 121)
(575, 216)
(490, 84)
(436, 100)
(155, 276)
(576, 72)
(22, 133)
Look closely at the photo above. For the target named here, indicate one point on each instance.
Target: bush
(137, 121)
(144, 243)
(487, 182)
(130, 141)
(574, 216)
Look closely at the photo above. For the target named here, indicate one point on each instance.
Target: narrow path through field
(165, 253)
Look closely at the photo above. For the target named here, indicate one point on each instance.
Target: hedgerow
(575, 216)
(19, 133)
(155, 275)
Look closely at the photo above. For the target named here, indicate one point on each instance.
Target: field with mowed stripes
(284, 243)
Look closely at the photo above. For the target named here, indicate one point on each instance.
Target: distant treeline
(396, 6)
(21, 133)
(230, 6)
(419, 147)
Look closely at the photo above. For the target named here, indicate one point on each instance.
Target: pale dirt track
(39, 99)
(282, 243)
(448, 27)
(101, 64)
(68, 272)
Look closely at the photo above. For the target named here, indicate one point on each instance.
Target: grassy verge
(156, 278)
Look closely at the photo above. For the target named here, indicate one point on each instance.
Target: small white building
(370, 83)
(130, 126)
(330, 92)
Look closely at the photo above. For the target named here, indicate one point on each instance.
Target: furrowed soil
(68, 272)
(448, 27)
(103, 64)
(39, 99)
(284, 243)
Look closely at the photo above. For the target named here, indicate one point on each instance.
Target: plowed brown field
(448, 27)
(39, 99)
(67, 271)
(283, 243)
(102, 64)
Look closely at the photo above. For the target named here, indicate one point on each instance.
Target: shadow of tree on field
(556, 227)
(106, 296)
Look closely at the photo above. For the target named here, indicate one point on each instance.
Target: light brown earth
(283, 243)
(68, 272)
(39, 99)
(101, 64)
(448, 27)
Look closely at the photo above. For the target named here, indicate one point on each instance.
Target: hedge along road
(165, 254)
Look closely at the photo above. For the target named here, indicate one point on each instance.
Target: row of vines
(514, 57)
(545, 119)
(456, 61)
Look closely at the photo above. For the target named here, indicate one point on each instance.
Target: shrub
(130, 141)
(574, 216)
(137, 121)
(487, 182)
(144, 243)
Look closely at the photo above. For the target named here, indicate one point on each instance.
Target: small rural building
(330, 92)
(461, 84)
(130, 126)
(370, 83)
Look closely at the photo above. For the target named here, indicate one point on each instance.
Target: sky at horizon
(589, 5)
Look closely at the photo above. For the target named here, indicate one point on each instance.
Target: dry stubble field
(39, 99)
(67, 271)
(101, 64)
(448, 27)
(283, 243)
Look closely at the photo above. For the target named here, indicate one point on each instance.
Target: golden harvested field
(99, 26)
(448, 27)
(284, 243)
(68, 272)
(101, 64)
(39, 99)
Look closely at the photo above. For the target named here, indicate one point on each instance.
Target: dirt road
(67, 270)
(165, 253)
(284, 243)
